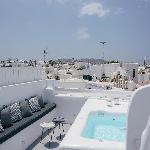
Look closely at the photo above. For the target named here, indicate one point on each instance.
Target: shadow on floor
(51, 145)
(55, 140)
(60, 139)
(37, 141)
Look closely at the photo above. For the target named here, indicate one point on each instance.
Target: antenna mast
(103, 57)
(44, 55)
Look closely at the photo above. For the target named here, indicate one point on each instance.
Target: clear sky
(72, 28)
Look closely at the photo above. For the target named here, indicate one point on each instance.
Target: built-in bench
(25, 122)
(21, 134)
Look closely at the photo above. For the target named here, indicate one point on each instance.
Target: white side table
(59, 121)
(48, 126)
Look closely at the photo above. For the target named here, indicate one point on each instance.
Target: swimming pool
(106, 126)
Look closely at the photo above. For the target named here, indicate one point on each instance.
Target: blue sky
(72, 28)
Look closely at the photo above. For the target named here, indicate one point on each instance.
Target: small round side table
(48, 126)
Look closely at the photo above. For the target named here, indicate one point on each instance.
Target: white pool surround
(73, 139)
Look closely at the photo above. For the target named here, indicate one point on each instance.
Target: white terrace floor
(54, 144)
(114, 95)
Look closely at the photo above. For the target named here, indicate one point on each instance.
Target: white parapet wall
(74, 83)
(18, 92)
(139, 112)
(13, 75)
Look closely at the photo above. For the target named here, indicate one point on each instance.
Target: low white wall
(65, 83)
(18, 92)
(13, 75)
(138, 115)
(71, 84)
(52, 83)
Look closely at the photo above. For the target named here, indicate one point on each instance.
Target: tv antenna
(103, 69)
(44, 54)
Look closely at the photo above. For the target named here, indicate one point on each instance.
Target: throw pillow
(1, 127)
(6, 117)
(34, 105)
(1, 108)
(40, 101)
(15, 112)
(25, 109)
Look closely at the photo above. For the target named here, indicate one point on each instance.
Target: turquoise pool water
(106, 126)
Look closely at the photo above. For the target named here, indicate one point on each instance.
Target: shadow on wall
(138, 115)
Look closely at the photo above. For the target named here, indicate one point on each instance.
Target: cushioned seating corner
(25, 122)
